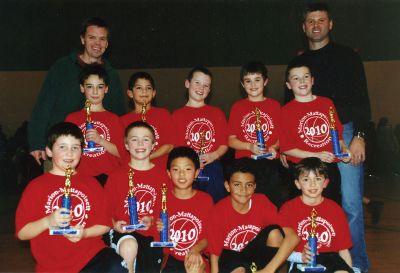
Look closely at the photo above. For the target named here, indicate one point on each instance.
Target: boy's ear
(49, 152)
(106, 90)
(288, 85)
(169, 174)
(326, 183)
(226, 184)
(82, 89)
(154, 93)
(129, 93)
(187, 84)
(265, 82)
(197, 173)
(297, 183)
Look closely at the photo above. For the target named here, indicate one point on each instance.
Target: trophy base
(92, 150)
(307, 268)
(342, 155)
(261, 156)
(163, 244)
(202, 178)
(63, 231)
(133, 227)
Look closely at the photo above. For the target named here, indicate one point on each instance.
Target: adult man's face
(317, 25)
(95, 42)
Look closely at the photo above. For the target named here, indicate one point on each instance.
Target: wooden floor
(383, 240)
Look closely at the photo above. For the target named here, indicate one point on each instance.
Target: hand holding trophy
(91, 146)
(66, 204)
(164, 233)
(312, 266)
(260, 138)
(132, 206)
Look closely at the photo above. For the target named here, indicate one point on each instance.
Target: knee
(275, 238)
(128, 249)
(239, 270)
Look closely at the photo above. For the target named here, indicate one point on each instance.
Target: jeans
(352, 194)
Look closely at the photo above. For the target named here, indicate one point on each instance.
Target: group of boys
(240, 230)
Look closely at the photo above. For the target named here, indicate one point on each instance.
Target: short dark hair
(94, 69)
(311, 164)
(296, 63)
(64, 129)
(253, 67)
(140, 124)
(201, 69)
(94, 21)
(185, 152)
(140, 75)
(241, 165)
(317, 6)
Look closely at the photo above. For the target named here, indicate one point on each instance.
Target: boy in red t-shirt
(142, 90)
(107, 131)
(187, 212)
(40, 208)
(242, 128)
(245, 227)
(306, 120)
(332, 229)
(148, 179)
(203, 127)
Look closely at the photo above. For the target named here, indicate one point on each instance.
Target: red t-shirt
(148, 190)
(242, 122)
(187, 221)
(41, 197)
(306, 126)
(189, 122)
(333, 233)
(228, 229)
(109, 127)
(160, 120)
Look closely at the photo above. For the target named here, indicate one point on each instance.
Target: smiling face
(95, 43)
(241, 187)
(311, 185)
(182, 172)
(94, 89)
(300, 81)
(139, 142)
(316, 26)
(254, 85)
(66, 152)
(198, 87)
(141, 92)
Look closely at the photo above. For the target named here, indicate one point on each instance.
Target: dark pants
(332, 261)
(105, 261)
(214, 186)
(268, 179)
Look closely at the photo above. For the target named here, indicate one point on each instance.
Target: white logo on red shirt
(239, 237)
(80, 205)
(145, 200)
(248, 125)
(193, 131)
(324, 230)
(184, 228)
(103, 131)
(314, 129)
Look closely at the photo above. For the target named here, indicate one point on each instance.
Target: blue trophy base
(202, 178)
(133, 227)
(63, 231)
(307, 268)
(342, 155)
(261, 156)
(93, 150)
(163, 244)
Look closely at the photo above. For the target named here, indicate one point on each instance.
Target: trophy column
(164, 233)
(334, 136)
(91, 146)
(65, 203)
(132, 206)
(201, 177)
(260, 138)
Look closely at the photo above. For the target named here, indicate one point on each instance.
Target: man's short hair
(201, 69)
(296, 63)
(94, 21)
(140, 124)
(185, 152)
(241, 165)
(311, 164)
(253, 67)
(317, 6)
(94, 69)
(140, 75)
(64, 129)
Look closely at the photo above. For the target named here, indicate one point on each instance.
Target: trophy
(312, 266)
(253, 267)
(201, 177)
(143, 112)
(91, 146)
(164, 237)
(132, 206)
(260, 138)
(65, 203)
(335, 137)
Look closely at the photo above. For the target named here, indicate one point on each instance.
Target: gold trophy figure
(253, 267)
(334, 136)
(164, 235)
(65, 203)
(260, 138)
(144, 110)
(91, 146)
(201, 177)
(132, 206)
(312, 266)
